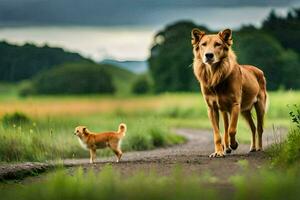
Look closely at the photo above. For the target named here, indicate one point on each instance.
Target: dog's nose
(209, 55)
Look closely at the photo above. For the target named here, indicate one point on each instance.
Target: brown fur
(228, 87)
(94, 141)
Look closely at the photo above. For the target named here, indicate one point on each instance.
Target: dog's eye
(217, 44)
(204, 44)
(197, 48)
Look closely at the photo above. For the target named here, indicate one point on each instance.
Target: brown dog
(228, 87)
(93, 141)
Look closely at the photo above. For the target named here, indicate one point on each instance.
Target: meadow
(48, 132)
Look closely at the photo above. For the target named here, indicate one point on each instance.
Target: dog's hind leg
(227, 150)
(234, 114)
(248, 118)
(260, 112)
(117, 150)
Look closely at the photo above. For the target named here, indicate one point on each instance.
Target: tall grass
(53, 138)
(108, 184)
(267, 184)
(287, 152)
(149, 119)
(281, 179)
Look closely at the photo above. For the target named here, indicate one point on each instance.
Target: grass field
(108, 184)
(150, 118)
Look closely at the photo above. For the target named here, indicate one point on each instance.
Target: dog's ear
(84, 130)
(226, 36)
(196, 35)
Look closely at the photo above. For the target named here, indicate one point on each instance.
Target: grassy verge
(52, 138)
(287, 153)
(281, 179)
(268, 184)
(108, 184)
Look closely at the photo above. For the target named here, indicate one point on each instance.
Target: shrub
(141, 86)
(16, 118)
(79, 78)
(139, 141)
(26, 88)
(150, 134)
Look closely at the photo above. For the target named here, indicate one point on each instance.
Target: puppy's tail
(122, 129)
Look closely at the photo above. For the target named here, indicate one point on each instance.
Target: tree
(171, 58)
(285, 29)
(141, 85)
(264, 51)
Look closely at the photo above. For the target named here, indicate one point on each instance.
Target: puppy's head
(81, 131)
(212, 48)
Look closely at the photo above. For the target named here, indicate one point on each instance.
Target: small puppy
(92, 141)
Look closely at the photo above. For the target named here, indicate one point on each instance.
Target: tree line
(273, 48)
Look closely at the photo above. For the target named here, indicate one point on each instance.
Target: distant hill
(18, 63)
(22, 62)
(137, 67)
(122, 78)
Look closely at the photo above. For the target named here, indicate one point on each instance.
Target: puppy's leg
(118, 153)
(92, 155)
(116, 149)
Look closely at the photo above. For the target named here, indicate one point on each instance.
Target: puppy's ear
(196, 35)
(226, 36)
(84, 130)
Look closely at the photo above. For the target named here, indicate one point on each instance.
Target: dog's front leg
(234, 115)
(213, 114)
(227, 150)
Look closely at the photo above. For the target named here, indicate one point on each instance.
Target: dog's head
(211, 49)
(81, 131)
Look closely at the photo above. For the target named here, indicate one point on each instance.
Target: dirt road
(192, 157)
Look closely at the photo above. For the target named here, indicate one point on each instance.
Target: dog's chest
(82, 144)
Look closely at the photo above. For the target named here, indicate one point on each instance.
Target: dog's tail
(122, 129)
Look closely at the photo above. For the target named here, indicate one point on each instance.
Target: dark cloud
(108, 12)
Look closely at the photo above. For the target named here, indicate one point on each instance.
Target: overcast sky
(117, 12)
(121, 29)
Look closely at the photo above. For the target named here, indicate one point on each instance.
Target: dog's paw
(227, 151)
(234, 146)
(252, 150)
(218, 154)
